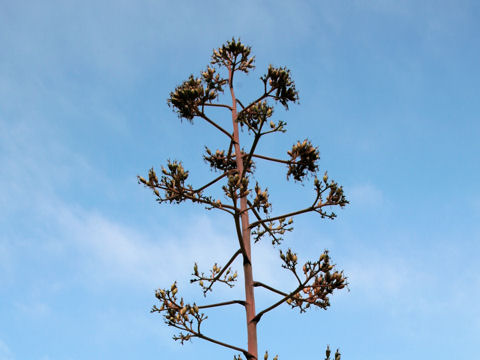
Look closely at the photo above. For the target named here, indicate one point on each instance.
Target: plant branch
(252, 149)
(256, 223)
(219, 105)
(258, 283)
(310, 208)
(223, 269)
(241, 302)
(238, 101)
(245, 352)
(279, 302)
(240, 239)
(194, 199)
(203, 116)
(214, 181)
(271, 159)
(265, 95)
(257, 215)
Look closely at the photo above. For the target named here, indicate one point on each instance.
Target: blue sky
(388, 92)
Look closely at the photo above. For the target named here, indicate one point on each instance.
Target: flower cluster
(303, 158)
(281, 84)
(319, 281)
(335, 196)
(216, 274)
(234, 54)
(219, 161)
(255, 116)
(274, 229)
(178, 314)
(261, 199)
(172, 182)
(187, 97)
(194, 93)
(236, 187)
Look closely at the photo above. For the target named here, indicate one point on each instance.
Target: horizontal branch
(258, 283)
(271, 159)
(256, 223)
(194, 199)
(241, 302)
(219, 105)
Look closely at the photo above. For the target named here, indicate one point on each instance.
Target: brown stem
(247, 263)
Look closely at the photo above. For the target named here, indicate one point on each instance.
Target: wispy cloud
(5, 353)
(365, 195)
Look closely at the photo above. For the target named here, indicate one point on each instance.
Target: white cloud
(5, 353)
(113, 251)
(365, 195)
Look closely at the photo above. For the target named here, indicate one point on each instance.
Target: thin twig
(223, 269)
